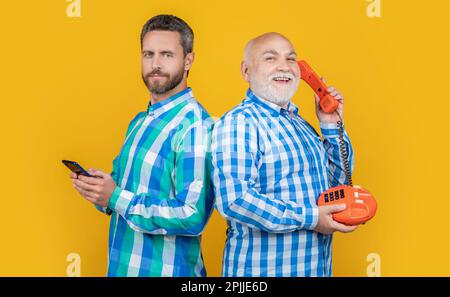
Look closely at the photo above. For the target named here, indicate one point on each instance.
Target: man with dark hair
(159, 193)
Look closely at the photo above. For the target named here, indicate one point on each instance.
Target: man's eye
(292, 59)
(270, 58)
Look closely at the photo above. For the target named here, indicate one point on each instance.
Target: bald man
(269, 168)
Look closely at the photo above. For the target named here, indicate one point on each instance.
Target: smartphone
(76, 168)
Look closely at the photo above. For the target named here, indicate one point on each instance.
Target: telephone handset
(326, 102)
(361, 204)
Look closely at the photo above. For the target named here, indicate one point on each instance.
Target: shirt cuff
(329, 130)
(310, 217)
(120, 201)
(105, 210)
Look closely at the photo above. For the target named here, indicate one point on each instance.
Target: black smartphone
(75, 167)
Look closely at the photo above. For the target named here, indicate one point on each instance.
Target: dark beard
(158, 89)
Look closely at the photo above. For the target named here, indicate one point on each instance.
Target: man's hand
(97, 189)
(327, 225)
(330, 117)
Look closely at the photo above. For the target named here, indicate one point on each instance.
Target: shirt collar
(163, 106)
(273, 108)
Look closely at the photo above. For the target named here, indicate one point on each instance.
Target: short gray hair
(165, 22)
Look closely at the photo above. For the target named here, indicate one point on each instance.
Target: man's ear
(244, 71)
(188, 61)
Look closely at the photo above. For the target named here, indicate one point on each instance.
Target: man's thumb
(95, 172)
(317, 99)
(336, 208)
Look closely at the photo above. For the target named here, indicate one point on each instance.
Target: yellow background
(70, 86)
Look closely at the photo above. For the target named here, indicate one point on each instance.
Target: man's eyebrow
(273, 52)
(161, 52)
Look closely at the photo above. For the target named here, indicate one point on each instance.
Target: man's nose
(156, 62)
(283, 66)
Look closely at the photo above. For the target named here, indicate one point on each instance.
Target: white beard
(278, 95)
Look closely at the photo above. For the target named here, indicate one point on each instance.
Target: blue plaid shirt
(269, 168)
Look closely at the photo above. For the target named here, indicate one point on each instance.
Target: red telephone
(361, 204)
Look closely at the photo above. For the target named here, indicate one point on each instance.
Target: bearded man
(269, 168)
(159, 194)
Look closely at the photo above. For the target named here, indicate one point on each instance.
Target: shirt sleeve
(336, 172)
(114, 173)
(188, 212)
(234, 159)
